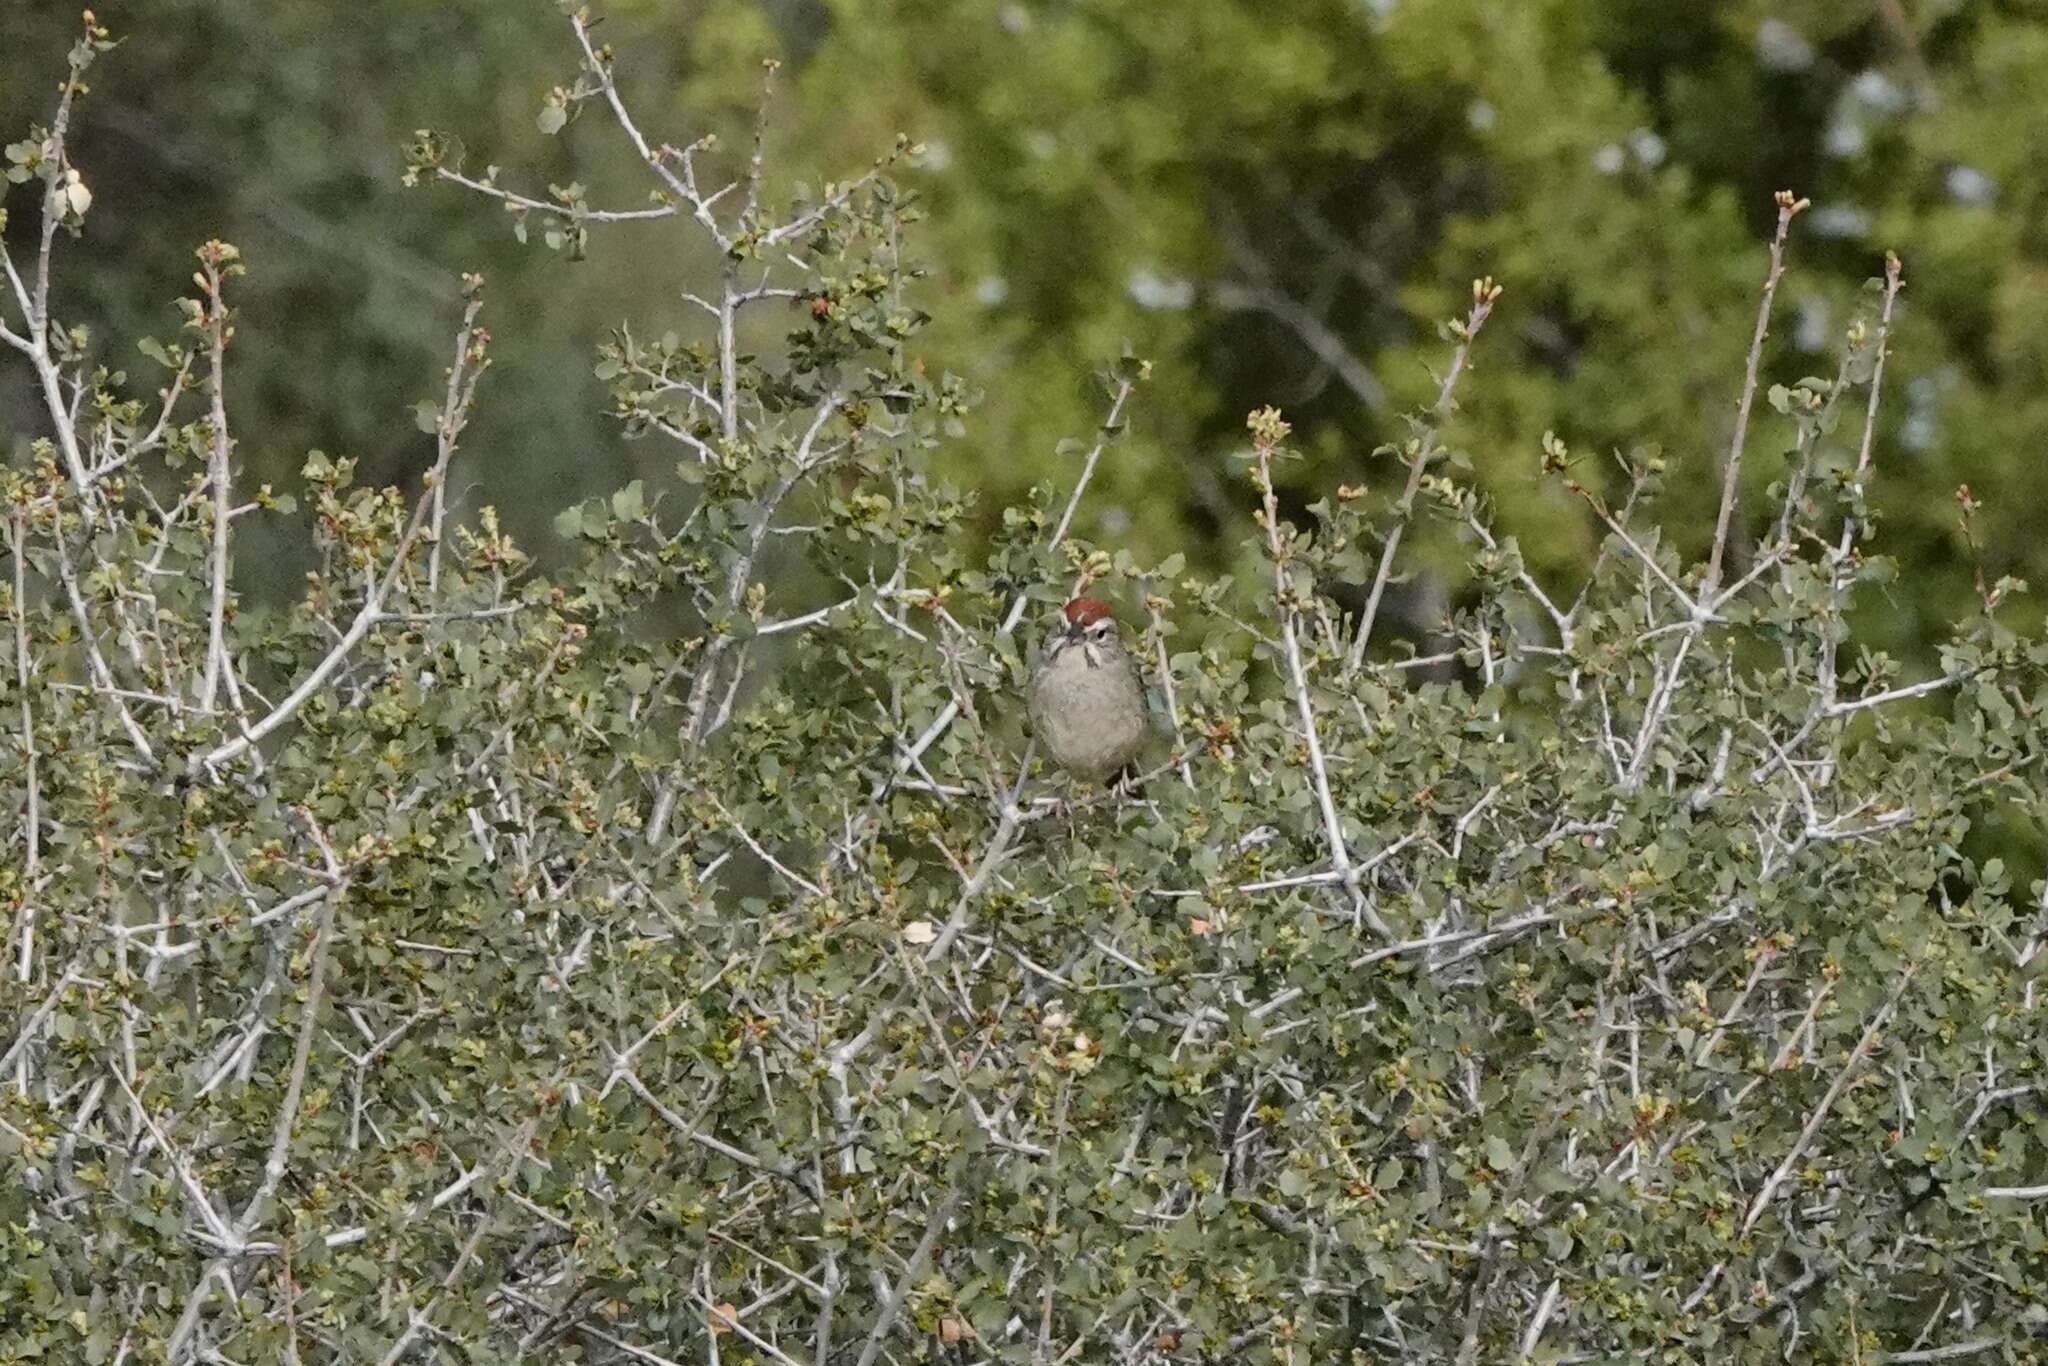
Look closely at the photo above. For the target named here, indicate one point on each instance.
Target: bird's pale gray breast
(1089, 713)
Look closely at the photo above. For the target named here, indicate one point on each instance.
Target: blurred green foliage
(482, 969)
(1273, 200)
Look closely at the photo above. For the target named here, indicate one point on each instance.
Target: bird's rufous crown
(1088, 611)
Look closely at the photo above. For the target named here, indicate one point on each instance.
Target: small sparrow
(1087, 701)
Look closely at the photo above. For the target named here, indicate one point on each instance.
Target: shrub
(679, 958)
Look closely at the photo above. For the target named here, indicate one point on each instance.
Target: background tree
(1266, 199)
(458, 962)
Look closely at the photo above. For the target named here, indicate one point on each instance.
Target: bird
(1086, 698)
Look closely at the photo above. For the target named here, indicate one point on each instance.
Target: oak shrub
(674, 958)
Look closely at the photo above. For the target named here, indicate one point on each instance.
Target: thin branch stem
(214, 262)
(1424, 449)
(1731, 472)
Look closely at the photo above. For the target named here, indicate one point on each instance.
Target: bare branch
(1731, 473)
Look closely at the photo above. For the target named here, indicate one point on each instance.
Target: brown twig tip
(1267, 427)
(217, 254)
(1791, 205)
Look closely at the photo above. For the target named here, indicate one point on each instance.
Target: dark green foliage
(458, 965)
(1276, 201)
